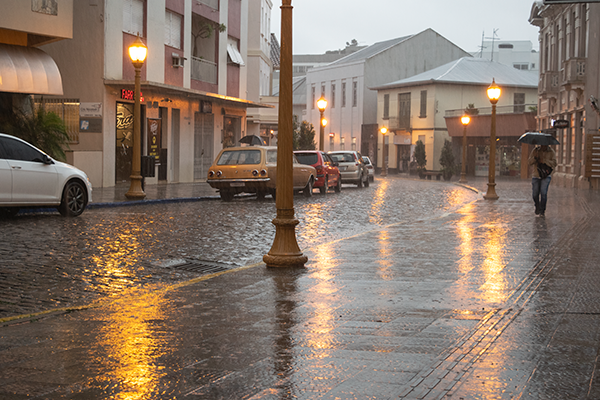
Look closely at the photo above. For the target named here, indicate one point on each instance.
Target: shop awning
(28, 70)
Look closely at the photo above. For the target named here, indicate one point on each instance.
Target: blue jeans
(540, 193)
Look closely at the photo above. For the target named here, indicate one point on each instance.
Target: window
(314, 100)
(15, 150)
(521, 66)
(423, 112)
(354, 94)
(342, 143)
(332, 95)
(519, 102)
(133, 17)
(322, 90)
(404, 110)
(386, 106)
(343, 94)
(172, 29)
(67, 110)
(331, 143)
(354, 144)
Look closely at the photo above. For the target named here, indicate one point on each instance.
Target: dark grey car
(352, 168)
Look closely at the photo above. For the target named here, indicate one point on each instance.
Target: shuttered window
(172, 29)
(133, 17)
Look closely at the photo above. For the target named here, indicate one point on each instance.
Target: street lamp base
(285, 251)
(463, 178)
(135, 191)
(491, 192)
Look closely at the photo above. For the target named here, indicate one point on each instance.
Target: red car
(328, 174)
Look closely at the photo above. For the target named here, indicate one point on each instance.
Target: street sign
(561, 124)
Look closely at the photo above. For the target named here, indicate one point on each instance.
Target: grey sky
(321, 25)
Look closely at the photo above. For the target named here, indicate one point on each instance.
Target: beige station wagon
(253, 169)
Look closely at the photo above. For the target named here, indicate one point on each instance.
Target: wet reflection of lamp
(384, 166)
(137, 53)
(322, 105)
(463, 171)
(493, 93)
(285, 251)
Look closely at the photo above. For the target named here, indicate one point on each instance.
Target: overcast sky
(321, 25)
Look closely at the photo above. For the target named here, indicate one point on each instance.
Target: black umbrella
(252, 140)
(539, 138)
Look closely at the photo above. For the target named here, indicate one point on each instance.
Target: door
(203, 144)
(124, 143)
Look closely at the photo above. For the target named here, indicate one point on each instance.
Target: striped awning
(28, 70)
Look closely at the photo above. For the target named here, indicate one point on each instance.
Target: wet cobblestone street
(413, 290)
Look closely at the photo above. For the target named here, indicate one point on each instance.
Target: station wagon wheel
(323, 189)
(74, 200)
(308, 188)
(226, 195)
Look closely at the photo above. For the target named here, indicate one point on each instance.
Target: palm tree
(45, 130)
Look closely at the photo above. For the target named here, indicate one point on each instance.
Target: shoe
(537, 211)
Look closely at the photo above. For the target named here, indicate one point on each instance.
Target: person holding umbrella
(543, 158)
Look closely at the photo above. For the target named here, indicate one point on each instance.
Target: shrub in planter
(447, 161)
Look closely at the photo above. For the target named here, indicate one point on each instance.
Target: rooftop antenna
(494, 36)
(482, 46)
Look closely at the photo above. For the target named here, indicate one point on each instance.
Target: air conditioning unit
(177, 60)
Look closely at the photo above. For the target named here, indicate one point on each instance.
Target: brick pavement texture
(486, 302)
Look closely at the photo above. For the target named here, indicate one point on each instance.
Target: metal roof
(469, 71)
(370, 51)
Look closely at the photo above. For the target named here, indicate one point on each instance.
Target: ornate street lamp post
(322, 105)
(465, 119)
(384, 166)
(137, 53)
(493, 93)
(285, 251)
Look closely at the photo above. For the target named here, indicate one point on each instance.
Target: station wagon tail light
(255, 172)
(211, 174)
(263, 172)
(219, 173)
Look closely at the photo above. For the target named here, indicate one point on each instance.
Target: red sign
(127, 94)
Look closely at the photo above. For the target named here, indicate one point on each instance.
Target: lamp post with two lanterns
(465, 119)
(137, 53)
(493, 93)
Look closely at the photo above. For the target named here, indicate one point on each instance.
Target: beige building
(193, 85)
(568, 86)
(423, 107)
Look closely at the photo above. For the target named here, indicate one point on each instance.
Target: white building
(345, 83)
(518, 54)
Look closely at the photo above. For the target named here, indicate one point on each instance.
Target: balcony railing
(548, 83)
(398, 123)
(514, 109)
(214, 4)
(203, 70)
(574, 71)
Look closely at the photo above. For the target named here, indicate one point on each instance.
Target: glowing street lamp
(493, 93)
(463, 171)
(285, 251)
(384, 167)
(137, 53)
(322, 105)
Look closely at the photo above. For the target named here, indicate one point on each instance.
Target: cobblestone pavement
(465, 299)
(50, 262)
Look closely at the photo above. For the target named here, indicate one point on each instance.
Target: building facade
(193, 84)
(427, 106)
(347, 86)
(569, 83)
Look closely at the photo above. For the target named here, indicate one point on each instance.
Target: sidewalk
(106, 196)
(490, 302)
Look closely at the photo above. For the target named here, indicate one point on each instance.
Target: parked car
(29, 177)
(351, 166)
(252, 169)
(370, 168)
(328, 174)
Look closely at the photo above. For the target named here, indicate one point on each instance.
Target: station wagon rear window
(240, 157)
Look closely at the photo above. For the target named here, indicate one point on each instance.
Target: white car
(29, 177)
(370, 168)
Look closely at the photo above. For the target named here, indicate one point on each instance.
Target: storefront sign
(154, 130)
(127, 94)
(90, 109)
(561, 124)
